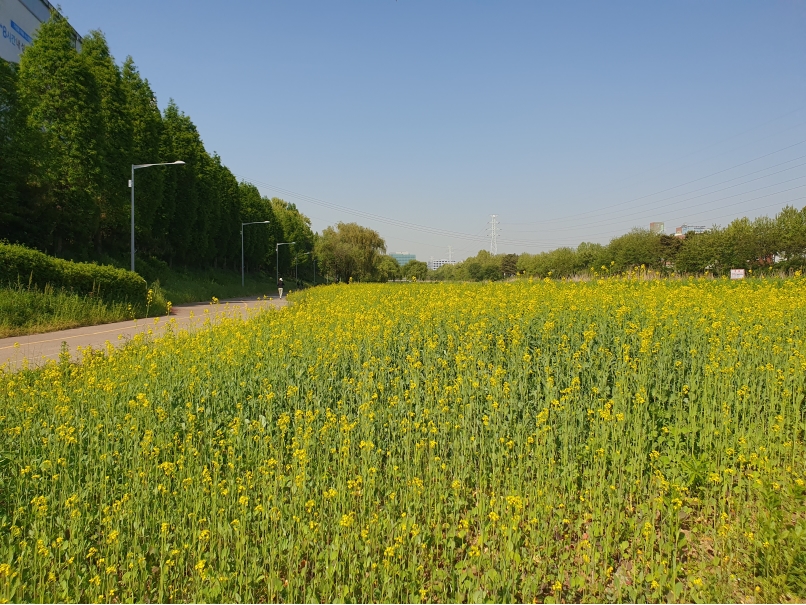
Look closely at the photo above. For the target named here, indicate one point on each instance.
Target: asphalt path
(38, 349)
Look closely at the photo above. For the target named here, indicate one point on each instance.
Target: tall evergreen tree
(146, 123)
(115, 146)
(179, 212)
(226, 228)
(18, 194)
(61, 100)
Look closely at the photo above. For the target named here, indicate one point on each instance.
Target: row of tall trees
(763, 243)
(72, 124)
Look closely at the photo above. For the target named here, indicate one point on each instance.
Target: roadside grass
(26, 310)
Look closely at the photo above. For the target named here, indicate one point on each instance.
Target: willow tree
(350, 251)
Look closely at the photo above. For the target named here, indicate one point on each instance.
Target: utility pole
(493, 234)
(450, 254)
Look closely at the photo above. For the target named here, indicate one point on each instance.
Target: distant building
(402, 257)
(436, 264)
(683, 229)
(657, 228)
(19, 21)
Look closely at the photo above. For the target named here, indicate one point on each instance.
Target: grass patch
(28, 309)
(33, 311)
(182, 287)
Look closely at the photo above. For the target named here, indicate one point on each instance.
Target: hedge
(19, 264)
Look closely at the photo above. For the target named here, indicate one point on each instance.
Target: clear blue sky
(572, 121)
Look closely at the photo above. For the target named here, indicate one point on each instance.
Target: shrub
(19, 264)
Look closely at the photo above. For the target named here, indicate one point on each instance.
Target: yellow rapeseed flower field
(614, 440)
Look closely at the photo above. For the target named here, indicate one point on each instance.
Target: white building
(19, 21)
(436, 264)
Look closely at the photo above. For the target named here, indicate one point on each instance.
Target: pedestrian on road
(280, 286)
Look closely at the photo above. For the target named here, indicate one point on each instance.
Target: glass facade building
(402, 257)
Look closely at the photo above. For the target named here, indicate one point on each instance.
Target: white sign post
(737, 273)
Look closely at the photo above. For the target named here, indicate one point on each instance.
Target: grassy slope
(195, 286)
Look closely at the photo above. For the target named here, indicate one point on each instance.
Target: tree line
(777, 244)
(72, 124)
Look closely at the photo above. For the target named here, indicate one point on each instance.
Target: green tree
(557, 263)
(415, 269)
(699, 253)
(669, 246)
(509, 264)
(295, 227)
(181, 216)
(20, 210)
(349, 251)
(483, 266)
(591, 256)
(61, 100)
(226, 212)
(386, 268)
(146, 124)
(792, 234)
(445, 273)
(638, 247)
(115, 145)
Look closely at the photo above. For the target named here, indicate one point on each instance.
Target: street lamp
(277, 257)
(131, 184)
(242, 225)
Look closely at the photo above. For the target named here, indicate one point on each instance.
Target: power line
(616, 233)
(584, 214)
(656, 211)
(706, 187)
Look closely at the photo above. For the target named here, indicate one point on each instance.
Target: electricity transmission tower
(493, 234)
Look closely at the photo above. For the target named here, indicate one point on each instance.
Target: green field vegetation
(613, 440)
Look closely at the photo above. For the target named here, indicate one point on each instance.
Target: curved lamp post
(242, 226)
(131, 184)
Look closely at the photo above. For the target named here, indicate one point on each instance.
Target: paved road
(39, 348)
